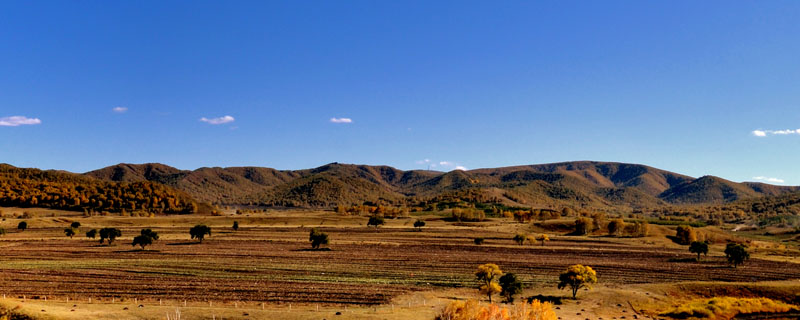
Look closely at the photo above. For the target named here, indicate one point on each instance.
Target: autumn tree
(419, 224)
(519, 238)
(640, 229)
(375, 221)
(22, 226)
(109, 233)
(543, 237)
(510, 286)
(91, 233)
(616, 226)
(583, 226)
(685, 235)
(487, 276)
(199, 232)
(736, 253)
(317, 238)
(577, 277)
(698, 247)
(69, 232)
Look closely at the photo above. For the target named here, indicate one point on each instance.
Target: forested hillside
(68, 191)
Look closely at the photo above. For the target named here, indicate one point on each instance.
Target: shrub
(142, 240)
(22, 225)
(2, 231)
(472, 310)
(235, 226)
(69, 232)
(317, 238)
(149, 233)
(478, 241)
(91, 233)
(75, 225)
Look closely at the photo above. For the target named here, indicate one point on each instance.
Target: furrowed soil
(268, 260)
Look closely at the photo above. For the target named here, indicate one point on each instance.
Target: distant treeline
(66, 191)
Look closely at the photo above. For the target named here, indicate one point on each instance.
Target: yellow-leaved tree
(576, 277)
(487, 275)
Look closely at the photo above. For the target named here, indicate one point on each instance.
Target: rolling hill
(574, 184)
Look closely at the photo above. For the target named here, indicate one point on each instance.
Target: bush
(75, 225)
(142, 240)
(472, 310)
(478, 241)
(69, 232)
(419, 224)
(22, 226)
(235, 226)
(91, 233)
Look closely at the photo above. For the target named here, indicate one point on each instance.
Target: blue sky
(694, 87)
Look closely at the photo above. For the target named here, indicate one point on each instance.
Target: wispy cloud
(768, 179)
(14, 121)
(120, 109)
(220, 120)
(764, 133)
(341, 120)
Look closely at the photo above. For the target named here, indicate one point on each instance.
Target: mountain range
(599, 185)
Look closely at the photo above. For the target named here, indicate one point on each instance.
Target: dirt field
(267, 261)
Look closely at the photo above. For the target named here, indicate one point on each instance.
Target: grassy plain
(264, 270)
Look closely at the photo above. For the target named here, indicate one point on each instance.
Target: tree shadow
(552, 299)
(183, 243)
(320, 249)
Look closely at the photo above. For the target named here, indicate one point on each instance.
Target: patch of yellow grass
(472, 310)
(727, 308)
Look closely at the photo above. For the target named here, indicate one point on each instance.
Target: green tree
(510, 286)
(199, 232)
(22, 226)
(577, 277)
(736, 253)
(698, 248)
(69, 232)
(487, 276)
(142, 241)
(109, 233)
(419, 224)
(317, 238)
(235, 226)
(375, 221)
(91, 233)
(149, 233)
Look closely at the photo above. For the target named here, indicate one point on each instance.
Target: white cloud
(120, 109)
(341, 120)
(444, 165)
(764, 133)
(462, 168)
(14, 121)
(220, 120)
(767, 179)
